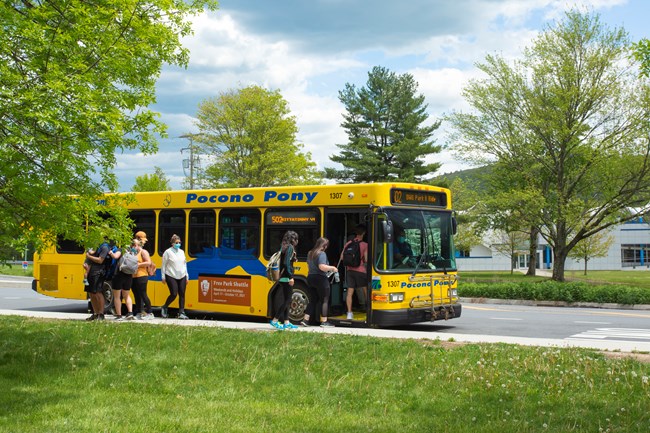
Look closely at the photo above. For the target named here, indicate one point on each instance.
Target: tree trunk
(532, 263)
(559, 258)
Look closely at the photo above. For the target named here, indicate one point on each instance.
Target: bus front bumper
(415, 315)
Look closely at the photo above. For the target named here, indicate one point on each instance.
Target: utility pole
(193, 163)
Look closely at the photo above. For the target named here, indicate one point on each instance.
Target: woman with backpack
(121, 282)
(355, 256)
(318, 281)
(282, 298)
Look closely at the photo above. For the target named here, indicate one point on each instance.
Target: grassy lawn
(61, 376)
(628, 278)
(17, 270)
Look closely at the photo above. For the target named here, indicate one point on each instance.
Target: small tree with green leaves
(596, 245)
(157, 181)
(251, 137)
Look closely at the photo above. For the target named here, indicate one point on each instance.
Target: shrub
(555, 291)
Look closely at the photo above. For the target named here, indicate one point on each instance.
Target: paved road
(624, 330)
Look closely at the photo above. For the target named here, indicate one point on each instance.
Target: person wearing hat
(141, 278)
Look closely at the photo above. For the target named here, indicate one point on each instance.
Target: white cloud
(310, 49)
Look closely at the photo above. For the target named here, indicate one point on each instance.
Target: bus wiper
(422, 253)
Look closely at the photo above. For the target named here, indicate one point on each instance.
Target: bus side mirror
(454, 225)
(387, 227)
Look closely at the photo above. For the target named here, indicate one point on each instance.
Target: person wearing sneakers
(174, 274)
(355, 276)
(140, 279)
(282, 297)
(318, 281)
(96, 280)
(121, 286)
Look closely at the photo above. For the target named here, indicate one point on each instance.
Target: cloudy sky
(309, 49)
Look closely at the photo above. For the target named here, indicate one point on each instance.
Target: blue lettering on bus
(224, 198)
(406, 285)
(306, 197)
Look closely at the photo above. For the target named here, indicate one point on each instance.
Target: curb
(639, 307)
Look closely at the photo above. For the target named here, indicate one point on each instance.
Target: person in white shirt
(174, 274)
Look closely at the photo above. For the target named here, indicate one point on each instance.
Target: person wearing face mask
(174, 274)
(140, 279)
(121, 285)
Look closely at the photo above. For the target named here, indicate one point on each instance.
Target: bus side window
(170, 222)
(202, 230)
(239, 231)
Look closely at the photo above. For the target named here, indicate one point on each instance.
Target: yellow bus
(229, 235)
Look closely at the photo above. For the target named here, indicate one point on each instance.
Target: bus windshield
(422, 241)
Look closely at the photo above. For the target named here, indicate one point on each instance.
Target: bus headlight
(390, 297)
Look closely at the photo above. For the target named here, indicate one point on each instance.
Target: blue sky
(309, 49)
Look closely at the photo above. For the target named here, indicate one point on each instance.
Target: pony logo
(167, 201)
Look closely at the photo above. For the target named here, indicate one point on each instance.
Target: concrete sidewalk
(609, 345)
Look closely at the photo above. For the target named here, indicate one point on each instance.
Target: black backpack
(352, 254)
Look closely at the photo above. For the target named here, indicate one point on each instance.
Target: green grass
(16, 270)
(134, 377)
(628, 278)
(639, 278)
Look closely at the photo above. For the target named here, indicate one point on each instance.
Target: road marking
(505, 318)
(573, 311)
(592, 323)
(13, 297)
(612, 333)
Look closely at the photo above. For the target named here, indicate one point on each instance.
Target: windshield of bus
(422, 241)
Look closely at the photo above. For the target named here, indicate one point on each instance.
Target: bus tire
(107, 291)
(300, 298)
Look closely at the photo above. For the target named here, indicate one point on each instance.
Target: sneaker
(163, 312)
(130, 316)
(86, 282)
(100, 317)
(290, 326)
(277, 325)
(91, 318)
(326, 325)
(350, 316)
(182, 316)
(147, 316)
(304, 324)
(119, 318)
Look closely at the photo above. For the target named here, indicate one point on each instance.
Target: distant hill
(473, 178)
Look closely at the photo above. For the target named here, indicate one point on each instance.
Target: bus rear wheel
(107, 291)
(300, 298)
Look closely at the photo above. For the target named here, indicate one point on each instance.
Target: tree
(570, 119)
(152, 182)
(251, 137)
(75, 81)
(465, 201)
(594, 246)
(386, 137)
(641, 51)
(510, 244)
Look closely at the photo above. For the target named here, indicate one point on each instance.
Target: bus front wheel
(300, 298)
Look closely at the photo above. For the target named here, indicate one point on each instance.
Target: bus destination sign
(421, 198)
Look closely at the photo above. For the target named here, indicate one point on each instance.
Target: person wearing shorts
(121, 285)
(96, 281)
(355, 277)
